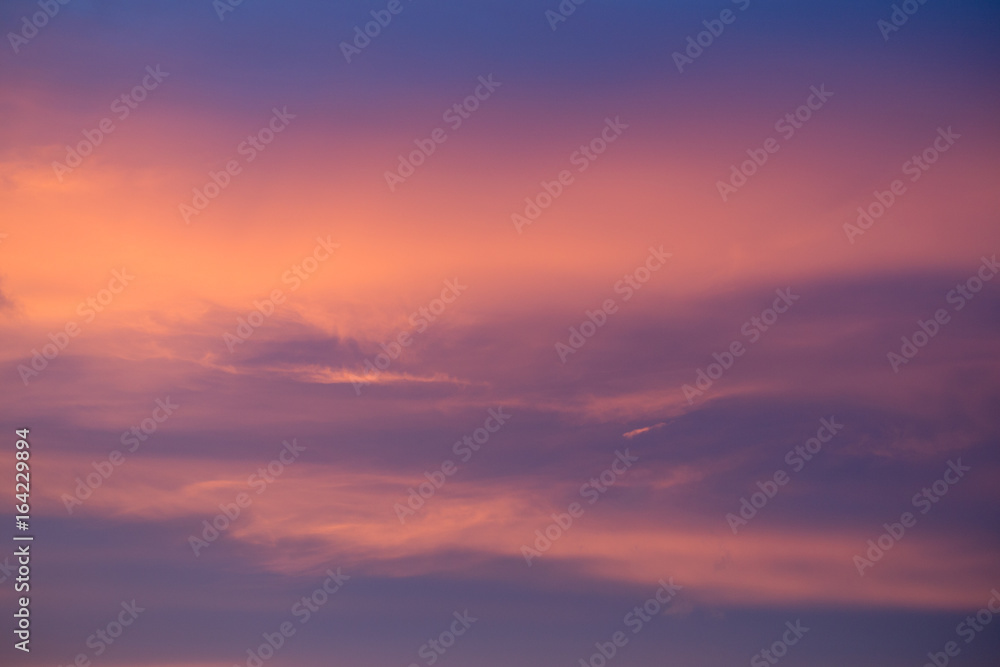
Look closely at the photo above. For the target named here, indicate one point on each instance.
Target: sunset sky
(521, 312)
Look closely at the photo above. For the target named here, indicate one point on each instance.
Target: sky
(486, 333)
